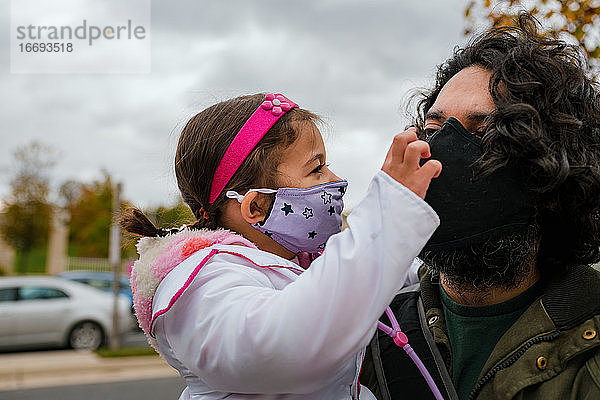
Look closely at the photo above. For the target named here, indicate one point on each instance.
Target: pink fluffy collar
(159, 255)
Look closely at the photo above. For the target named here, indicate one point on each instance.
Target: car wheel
(86, 335)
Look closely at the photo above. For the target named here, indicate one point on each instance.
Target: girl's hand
(402, 162)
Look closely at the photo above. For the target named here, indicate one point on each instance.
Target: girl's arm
(238, 334)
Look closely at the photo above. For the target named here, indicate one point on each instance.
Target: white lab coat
(241, 323)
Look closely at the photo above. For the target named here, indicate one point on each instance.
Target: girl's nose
(333, 177)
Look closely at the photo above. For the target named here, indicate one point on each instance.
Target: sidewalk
(71, 367)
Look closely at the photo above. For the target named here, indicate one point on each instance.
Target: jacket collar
(556, 326)
(160, 255)
(573, 297)
(568, 298)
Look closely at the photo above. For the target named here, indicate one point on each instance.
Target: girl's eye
(319, 169)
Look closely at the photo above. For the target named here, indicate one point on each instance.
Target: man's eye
(428, 132)
(479, 133)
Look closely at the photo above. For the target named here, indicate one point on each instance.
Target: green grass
(33, 262)
(126, 352)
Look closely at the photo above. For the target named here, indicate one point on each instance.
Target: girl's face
(303, 163)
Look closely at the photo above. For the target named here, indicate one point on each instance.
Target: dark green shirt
(473, 332)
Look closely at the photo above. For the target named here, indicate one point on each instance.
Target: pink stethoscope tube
(401, 340)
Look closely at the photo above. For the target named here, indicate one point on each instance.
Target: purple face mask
(302, 219)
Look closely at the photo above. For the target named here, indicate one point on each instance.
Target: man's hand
(403, 159)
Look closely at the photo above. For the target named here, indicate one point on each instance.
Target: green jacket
(551, 352)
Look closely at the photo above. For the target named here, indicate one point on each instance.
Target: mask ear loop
(232, 194)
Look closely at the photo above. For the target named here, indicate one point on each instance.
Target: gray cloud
(352, 62)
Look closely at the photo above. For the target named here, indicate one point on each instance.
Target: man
(508, 306)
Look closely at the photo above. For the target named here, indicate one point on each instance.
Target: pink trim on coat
(149, 271)
(193, 274)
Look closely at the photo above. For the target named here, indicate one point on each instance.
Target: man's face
(501, 261)
(465, 97)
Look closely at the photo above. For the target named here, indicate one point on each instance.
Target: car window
(8, 294)
(99, 283)
(40, 292)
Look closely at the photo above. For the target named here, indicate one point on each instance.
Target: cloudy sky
(353, 62)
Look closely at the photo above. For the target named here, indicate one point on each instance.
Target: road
(150, 389)
(65, 374)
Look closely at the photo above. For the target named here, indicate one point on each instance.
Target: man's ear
(254, 207)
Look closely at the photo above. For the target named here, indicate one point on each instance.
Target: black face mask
(473, 210)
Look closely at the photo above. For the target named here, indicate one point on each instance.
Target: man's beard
(500, 262)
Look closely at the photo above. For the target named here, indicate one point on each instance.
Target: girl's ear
(254, 207)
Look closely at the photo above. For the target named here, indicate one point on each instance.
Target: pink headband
(259, 123)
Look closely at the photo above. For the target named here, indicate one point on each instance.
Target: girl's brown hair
(201, 146)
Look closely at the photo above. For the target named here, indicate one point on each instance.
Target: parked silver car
(48, 311)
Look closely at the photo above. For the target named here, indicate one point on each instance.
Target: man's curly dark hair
(547, 120)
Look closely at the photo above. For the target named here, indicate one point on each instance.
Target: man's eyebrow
(478, 116)
(475, 116)
(436, 115)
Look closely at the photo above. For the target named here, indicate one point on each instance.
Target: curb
(70, 367)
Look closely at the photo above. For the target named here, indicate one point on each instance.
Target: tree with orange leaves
(574, 21)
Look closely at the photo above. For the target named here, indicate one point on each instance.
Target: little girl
(230, 301)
